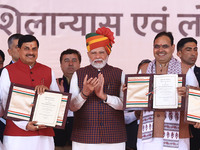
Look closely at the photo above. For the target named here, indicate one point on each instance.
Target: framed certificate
(192, 105)
(49, 109)
(137, 96)
(19, 102)
(165, 95)
(144, 92)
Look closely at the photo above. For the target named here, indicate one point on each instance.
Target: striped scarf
(172, 120)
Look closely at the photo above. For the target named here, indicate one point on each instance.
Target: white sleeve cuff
(129, 117)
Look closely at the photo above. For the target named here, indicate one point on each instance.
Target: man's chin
(98, 66)
(71, 70)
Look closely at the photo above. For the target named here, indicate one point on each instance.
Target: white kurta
(191, 78)
(1, 146)
(157, 144)
(77, 102)
(24, 142)
(129, 117)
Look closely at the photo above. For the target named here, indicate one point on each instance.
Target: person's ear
(179, 53)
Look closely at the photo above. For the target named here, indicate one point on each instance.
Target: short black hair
(13, 37)
(144, 61)
(27, 38)
(70, 51)
(2, 55)
(183, 41)
(164, 33)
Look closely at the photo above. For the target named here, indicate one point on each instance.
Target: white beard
(98, 65)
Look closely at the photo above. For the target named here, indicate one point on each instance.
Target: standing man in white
(23, 135)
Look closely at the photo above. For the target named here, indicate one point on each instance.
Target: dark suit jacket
(63, 136)
(194, 140)
(197, 74)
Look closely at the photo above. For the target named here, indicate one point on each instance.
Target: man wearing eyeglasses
(187, 51)
(162, 130)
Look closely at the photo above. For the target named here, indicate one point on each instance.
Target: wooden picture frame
(192, 105)
(139, 92)
(22, 102)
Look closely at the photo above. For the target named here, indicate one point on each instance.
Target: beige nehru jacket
(158, 129)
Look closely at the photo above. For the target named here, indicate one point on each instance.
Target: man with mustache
(97, 98)
(187, 51)
(70, 61)
(23, 135)
(163, 130)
